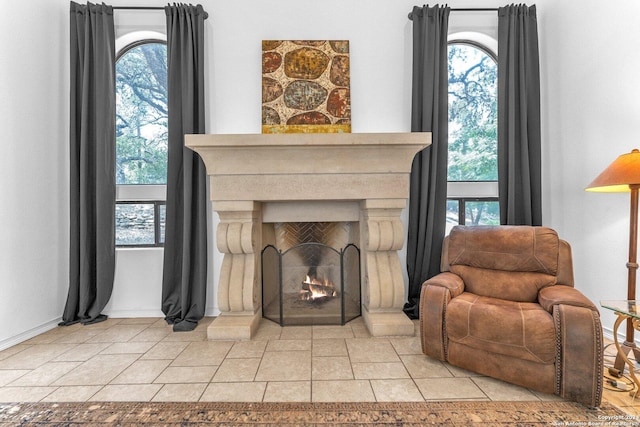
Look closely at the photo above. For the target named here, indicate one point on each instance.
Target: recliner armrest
(434, 297)
(580, 354)
(448, 280)
(562, 294)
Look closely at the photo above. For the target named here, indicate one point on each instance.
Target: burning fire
(314, 290)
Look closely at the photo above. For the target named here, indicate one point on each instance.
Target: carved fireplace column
(383, 287)
(239, 239)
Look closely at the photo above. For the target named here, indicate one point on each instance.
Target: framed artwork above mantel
(306, 86)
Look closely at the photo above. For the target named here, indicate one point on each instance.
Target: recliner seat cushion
(518, 329)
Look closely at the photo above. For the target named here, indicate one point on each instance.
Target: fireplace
(306, 280)
(260, 180)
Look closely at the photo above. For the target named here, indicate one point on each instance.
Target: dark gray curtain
(429, 113)
(185, 249)
(92, 163)
(519, 152)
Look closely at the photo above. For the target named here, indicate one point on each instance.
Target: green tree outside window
(473, 137)
(141, 115)
(473, 114)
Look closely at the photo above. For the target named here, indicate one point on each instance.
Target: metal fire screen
(311, 284)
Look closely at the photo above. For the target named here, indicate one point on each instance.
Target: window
(141, 143)
(140, 223)
(472, 172)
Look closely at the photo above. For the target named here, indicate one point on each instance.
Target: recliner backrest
(505, 262)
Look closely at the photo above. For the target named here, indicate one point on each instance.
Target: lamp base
(618, 365)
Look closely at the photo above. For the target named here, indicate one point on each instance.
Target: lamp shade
(623, 172)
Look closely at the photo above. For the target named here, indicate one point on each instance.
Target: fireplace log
(319, 289)
(317, 292)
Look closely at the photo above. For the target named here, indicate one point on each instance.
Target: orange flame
(316, 289)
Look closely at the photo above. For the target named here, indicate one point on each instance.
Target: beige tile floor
(141, 359)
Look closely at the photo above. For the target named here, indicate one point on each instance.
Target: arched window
(472, 164)
(141, 114)
(141, 143)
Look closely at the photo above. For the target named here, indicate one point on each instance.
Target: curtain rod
(474, 9)
(138, 7)
(467, 9)
(206, 15)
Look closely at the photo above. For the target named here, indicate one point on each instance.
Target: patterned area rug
(309, 414)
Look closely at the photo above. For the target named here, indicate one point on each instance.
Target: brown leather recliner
(505, 306)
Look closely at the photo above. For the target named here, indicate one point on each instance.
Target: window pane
(453, 215)
(162, 218)
(141, 115)
(481, 213)
(472, 114)
(135, 224)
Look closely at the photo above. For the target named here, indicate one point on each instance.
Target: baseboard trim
(119, 314)
(26, 335)
(608, 334)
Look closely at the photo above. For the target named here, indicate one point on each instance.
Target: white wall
(589, 60)
(590, 98)
(234, 32)
(34, 93)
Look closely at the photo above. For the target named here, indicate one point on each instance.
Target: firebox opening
(311, 283)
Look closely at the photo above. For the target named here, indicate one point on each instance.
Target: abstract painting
(305, 86)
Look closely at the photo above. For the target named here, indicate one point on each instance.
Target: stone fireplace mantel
(261, 178)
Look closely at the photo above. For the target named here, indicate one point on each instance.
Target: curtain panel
(428, 179)
(519, 138)
(185, 250)
(92, 163)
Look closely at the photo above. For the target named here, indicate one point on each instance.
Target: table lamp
(623, 175)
